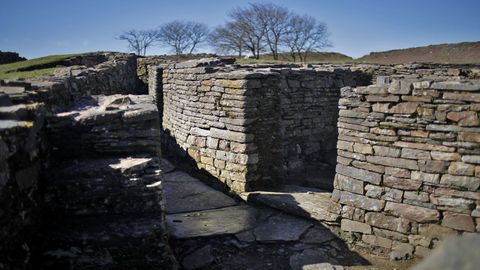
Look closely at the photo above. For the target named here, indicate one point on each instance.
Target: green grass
(285, 58)
(10, 71)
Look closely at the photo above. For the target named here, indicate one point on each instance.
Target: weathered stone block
(360, 174)
(424, 146)
(415, 154)
(462, 96)
(387, 222)
(470, 183)
(419, 240)
(416, 196)
(469, 136)
(343, 145)
(401, 183)
(435, 231)
(447, 156)
(458, 221)
(467, 118)
(379, 98)
(355, 226)
(230, 135)
(386, 151)
(452, 85)
(460, 168)
(362, 148)
(368, 166)
(393, 162)
(348, 184)
(471, 159)
(404, 108)
(360, 201)
(397, 172)
(415, 213)
(381, 107)
(377, 241)
(433, 166)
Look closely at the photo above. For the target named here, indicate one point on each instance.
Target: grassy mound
(32, 68)
(458, 53)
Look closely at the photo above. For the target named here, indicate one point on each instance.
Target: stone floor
(210, 230)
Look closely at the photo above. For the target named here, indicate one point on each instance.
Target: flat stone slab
(281, 227)
(305, 202)
(311, 259)
(228, 220)
(199, 258)
(192, 196)
(318, 235)
(12, 89)
(179, 176)
(166, 166)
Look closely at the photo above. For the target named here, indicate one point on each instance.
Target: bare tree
(275, 20)
(183, 36)
(253, 29)
(228, 39)
(305, 35)
(139, 40)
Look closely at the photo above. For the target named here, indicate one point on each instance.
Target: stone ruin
(387, 157)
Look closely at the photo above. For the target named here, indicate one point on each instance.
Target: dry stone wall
(21, 149)
(249, 127)
(114, 74)
(25, 148)
(408, 165)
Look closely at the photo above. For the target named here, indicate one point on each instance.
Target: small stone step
(84, 197)
(111, 242)
(104, 167)
(301, 201)
(19, 112)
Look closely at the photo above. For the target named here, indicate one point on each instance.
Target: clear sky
(41, 27)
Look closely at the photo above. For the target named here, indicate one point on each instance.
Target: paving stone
(193, 196)
(305, 202)
(199, 258)
(234, 219)
(318, 235)
(311, 259)
(166, 166)
(246, 236)
(281, 227)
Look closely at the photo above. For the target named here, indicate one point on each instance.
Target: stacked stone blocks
(249, 127)
(408, 165)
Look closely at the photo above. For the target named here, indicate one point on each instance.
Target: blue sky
(42, 27)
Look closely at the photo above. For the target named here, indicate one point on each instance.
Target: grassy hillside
(313, 58)
(26, 69)
(458, 53)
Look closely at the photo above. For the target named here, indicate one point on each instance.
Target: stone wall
(25, 149)
(21, 148)
(408, 166)
(116, 124)
(115, 75)
(249, 127)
